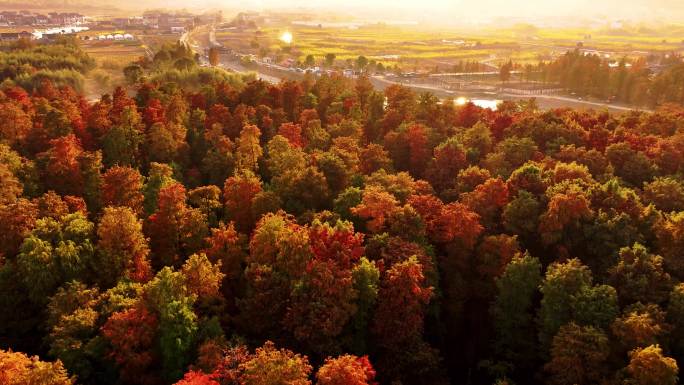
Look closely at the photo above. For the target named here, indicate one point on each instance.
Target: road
(191, 38)
(555, 101)
(276, 75)
(237, 67)
(543, 101)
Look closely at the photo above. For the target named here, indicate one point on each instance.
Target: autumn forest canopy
(199, 227)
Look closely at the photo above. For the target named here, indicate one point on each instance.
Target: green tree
(330, 59)
(512, 311)
(177, 333)
(310, 61)
(133, 73)
(54, 253)
(361, 62)
(365, 280)
(73, 321)
(121, 143)
(562, 281)
(122, 248)
(640, 276)
(505, 71)
(595, 306)
(521, 215)
(160, 176)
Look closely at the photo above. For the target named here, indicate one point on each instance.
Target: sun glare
(286, 37)
(461, 101)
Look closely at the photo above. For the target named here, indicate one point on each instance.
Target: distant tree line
(29, 64)
(631, 82)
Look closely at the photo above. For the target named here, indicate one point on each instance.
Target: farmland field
(421, 47)
(111, 58)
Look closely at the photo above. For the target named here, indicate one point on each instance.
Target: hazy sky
(504, 7)
(454, 11)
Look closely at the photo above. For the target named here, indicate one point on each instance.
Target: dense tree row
(28, 64)
(632, 82)
(238, 232)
